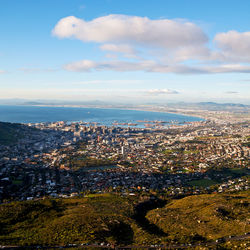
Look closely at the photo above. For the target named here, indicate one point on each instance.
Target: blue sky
(126, 51)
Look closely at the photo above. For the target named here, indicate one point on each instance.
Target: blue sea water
(35, 114)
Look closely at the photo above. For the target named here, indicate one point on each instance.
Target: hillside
(111, 219)
(11, 132)
(59, 222)
(204, 217)
(8, 133)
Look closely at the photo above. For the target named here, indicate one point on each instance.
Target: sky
(133, 51)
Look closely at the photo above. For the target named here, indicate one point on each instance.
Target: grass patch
(189, 152)
(168, 151)
(241, 171)
(17, 182)
(202, 183)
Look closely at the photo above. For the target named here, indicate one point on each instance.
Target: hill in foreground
(111, 219)
(102, 218)
(10, 133)
(204, 216)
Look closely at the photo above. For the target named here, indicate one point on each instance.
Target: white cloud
(86, 65)
(111, 56)
(2, 71)
(81, 66)
(161, 91)
(126, 49)
(162, 33)
(163, 46)
(123, 48)
(192, 52)
(228, 68)
(152, 66)
(235, 46)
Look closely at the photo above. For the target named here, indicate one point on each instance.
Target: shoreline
(220, 116)
(117, 108)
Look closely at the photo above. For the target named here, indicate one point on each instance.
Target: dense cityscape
(62, 159)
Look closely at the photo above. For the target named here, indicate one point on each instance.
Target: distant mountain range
(222, 104)
(99, 103)
(211, 106)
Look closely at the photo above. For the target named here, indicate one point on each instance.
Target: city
(64, 160)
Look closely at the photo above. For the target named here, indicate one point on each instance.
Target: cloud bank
(152, 66)
(168, 46)
(234, 45)
(163, 33)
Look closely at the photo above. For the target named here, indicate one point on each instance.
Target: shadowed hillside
(112, 219)
(10, 133)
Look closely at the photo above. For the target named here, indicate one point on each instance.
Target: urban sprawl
(63, 159)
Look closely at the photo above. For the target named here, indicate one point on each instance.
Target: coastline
(118, 108)
(220, 115)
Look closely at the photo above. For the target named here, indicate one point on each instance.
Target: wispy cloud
(2, 71)
(36, 70)
(152, 66)
(161, 92)
(231, 92)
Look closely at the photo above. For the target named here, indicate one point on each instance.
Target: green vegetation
(227, 172)
(169, 151)
(17, 182)
(202, 183)
(205, 138)
(179, 151)
(219, 176)
(195, 141)
(246, 144)
(204, 217)
(57, 222)
(111, 219)
(239, 171)
(189, 152)
(75, 160)
(9, 133)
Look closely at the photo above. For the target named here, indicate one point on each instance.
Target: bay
(37, 114)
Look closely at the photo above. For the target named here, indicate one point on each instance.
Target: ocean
(35, 114)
